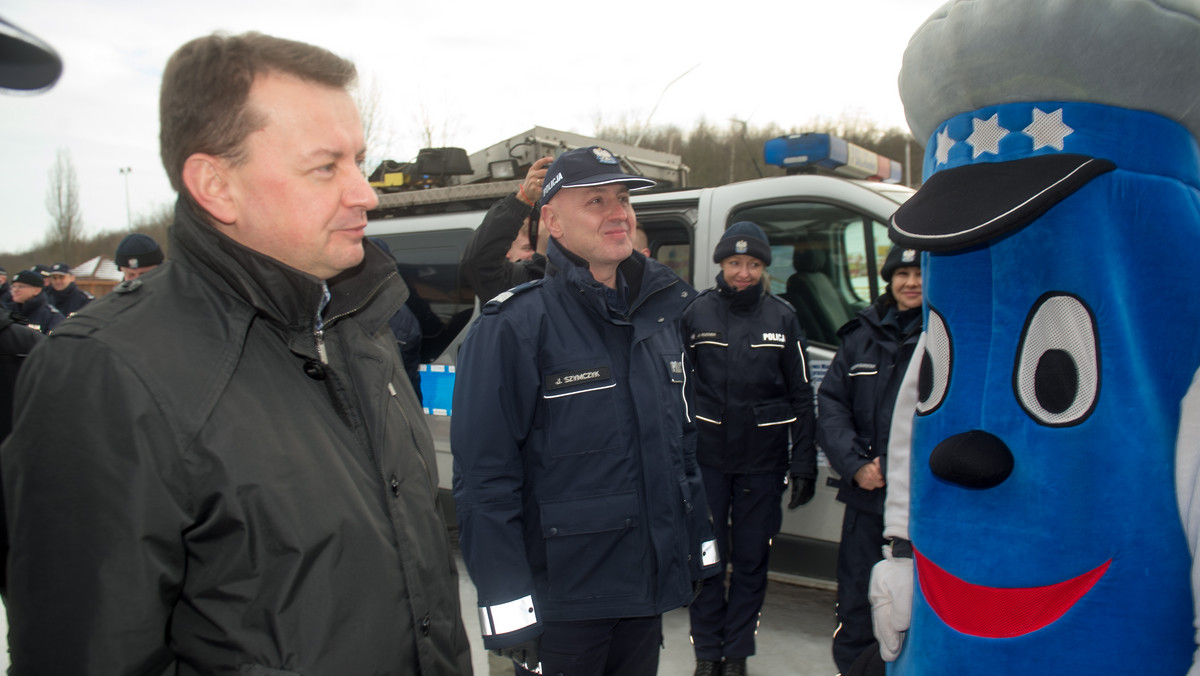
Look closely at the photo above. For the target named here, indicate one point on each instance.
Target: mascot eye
(935, 366)
(1057, 374)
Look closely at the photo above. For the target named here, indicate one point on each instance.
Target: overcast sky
(479, 70)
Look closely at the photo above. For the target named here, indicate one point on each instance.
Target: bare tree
(377, 133)
(62, 201)
(432, 132)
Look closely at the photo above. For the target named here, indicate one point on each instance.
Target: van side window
(826, 260)
(428, 262)
(670, 243)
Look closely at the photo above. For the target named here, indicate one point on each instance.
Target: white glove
(891, 598)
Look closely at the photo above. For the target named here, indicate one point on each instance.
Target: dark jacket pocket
(593, 547)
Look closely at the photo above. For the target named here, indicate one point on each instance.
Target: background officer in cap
(5, 291)
(856, 401)
(137, 254)
(581, 513)
(32, 304)
(754, 412)
(63, 294)
(496, 258)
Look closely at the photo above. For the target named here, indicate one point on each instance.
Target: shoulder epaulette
(494, 305)
(783, 300)
(853, 323)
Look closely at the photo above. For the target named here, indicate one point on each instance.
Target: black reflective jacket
(856, 398)
(70, 300)
(236, 492)
(39, 314)
(754, 402)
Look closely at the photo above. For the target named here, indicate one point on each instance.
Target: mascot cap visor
(969, 205)
(26, 63)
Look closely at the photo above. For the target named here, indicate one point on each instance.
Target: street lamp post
(125, 171)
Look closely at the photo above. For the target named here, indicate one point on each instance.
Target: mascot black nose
(972, 459)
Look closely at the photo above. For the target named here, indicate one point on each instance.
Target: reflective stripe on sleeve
(803, 359)
(507, 617)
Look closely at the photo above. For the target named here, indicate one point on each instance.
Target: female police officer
(754, 413)
(856, 401)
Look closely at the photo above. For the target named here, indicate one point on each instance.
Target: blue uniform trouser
(601, 647)
(860, 549)
(746, 514)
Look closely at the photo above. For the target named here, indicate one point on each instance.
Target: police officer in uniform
(856, 401)
(754, 407)
(63, 294)
(137, 254)
(30, 302)
(581, 512)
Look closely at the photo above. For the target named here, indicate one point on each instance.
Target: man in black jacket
(486, 263)
(32, 304)
(855, 403)
(245, 483)
(63, 294)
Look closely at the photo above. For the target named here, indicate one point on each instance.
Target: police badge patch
(603, 156)
(741, 246)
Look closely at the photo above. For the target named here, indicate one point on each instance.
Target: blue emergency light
(807, 152)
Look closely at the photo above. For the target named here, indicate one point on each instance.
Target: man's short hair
(203, 104)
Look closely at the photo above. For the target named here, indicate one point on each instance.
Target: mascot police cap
(1050, 83)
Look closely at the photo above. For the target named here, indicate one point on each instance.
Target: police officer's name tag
(569, 382)
(709, 338)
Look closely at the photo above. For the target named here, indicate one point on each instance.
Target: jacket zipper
(366, 299)
(321, 353)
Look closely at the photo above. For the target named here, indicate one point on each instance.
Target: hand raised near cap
(531, 189)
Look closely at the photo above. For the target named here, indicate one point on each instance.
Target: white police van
(828, 236)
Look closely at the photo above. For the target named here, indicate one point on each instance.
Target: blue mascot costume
(1043, 503)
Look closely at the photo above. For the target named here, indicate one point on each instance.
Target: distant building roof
(99, 267)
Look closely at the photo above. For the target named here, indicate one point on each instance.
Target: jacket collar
(281, 293)
(34, 304)
(885, 320)
(739, 300)
(60, 295)
(643, 277)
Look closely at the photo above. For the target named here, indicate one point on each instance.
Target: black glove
(697, 587)
(525, 654)
(802, 491)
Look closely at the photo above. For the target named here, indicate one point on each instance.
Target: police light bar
(809, 152)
